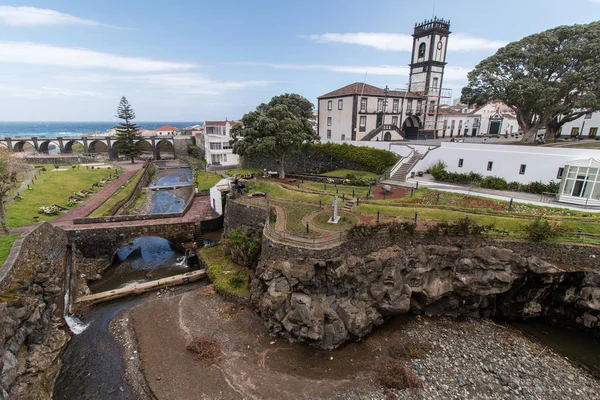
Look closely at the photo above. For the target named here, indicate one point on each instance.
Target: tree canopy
(11, 169)
(276, 129)
(128, 134)
(548, 79)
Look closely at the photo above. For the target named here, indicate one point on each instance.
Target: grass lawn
(346, 221)
(225, 275)
(332, 189)
(123, 193)
(6, 243)
(243, 171)
(51, 188)
(275, 190)
(206, 180)
(341, 173)
(294, 214)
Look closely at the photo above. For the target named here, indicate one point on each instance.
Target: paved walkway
(505, 195)
(98, 198)
(30, 174)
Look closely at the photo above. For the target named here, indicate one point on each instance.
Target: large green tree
(548, 79)
(11, 169)
(128, 141)
(275, 129)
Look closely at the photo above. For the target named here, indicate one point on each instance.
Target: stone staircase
(399, 177)
(348, 205)
(369, 136)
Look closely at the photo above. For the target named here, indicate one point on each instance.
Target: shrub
(254, 249)
(494, 182)
(438, 171)
(350, 176)
(514, 186)
(373, 160)
(461, 227)
(394, 374)
(73, 166)
(56, 166)
(44, 169)
(541, 229)
(236, 237)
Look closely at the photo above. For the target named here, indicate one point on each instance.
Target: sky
(195, 60)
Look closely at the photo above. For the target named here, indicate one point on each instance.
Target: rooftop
(367, 90)
(166, 128)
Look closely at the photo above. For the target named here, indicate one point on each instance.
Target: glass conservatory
(580, 183)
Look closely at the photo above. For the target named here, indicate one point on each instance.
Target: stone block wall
(326, 297)
(180, 144)
(250, 219)
(67, 160)
(32, 332)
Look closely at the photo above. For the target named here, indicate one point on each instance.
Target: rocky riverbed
(465, 359)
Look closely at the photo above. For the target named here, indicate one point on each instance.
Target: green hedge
(373, 160)
(438, 171)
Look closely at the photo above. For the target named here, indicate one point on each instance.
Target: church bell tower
(430, 42)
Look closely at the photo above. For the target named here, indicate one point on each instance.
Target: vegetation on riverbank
(124, 192)
(225, 275)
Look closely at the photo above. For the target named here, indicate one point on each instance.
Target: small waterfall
(74, 324)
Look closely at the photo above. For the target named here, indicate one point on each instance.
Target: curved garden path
(30, 174)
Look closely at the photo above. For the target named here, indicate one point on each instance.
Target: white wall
(542, 163)
(341, 120)
(586, 123)
(215, 200)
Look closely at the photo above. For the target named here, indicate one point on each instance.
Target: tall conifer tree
(128, 141)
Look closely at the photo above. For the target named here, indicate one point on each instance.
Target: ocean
(74, 128)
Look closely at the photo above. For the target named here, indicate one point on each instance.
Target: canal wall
(32, 331)
(326, 297)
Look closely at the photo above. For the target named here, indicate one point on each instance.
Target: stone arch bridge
(91, 144)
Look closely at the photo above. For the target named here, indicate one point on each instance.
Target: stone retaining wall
(250, 220)
(32, 332)
(326, 297)
(68, 160)
(102, 243)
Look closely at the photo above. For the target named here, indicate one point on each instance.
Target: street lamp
(385, 99)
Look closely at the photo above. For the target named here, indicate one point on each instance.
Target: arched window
(387, 137)
(422, 50)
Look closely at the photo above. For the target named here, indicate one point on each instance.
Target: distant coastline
(75, 128)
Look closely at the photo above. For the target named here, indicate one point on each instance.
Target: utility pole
(386, 91)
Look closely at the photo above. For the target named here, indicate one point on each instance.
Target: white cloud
(191, 83)
(43, 92)
(451, 73)
(403, 42)
(31, 16)
(70, 57)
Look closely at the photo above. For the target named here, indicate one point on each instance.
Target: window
(593, 132)
(329, 105)
(476, 122)
(574, 131)
(522, 169)
(379, 105)
(363, 104)
(466, 132)
(395, 121)
(328, 121)
(363, 124)
(328, 133)
(422, 50)
(395, 106)
(588, 116)
(224, 157)
(340, 104)
(215, 146)
(460, 162)
(490, 165)
(224, 131)
(343, 137)
(560, 173)
(435, 83)
(226, 146)
(432, 107)
(409, 105)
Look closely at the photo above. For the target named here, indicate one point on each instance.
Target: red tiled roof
(367, 90)
(166, 128)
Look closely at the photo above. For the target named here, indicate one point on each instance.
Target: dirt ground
(468, 359)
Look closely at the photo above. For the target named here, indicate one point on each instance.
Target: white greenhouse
(580, 183)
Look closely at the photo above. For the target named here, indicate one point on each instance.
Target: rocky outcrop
(31, 325)
(326, 302)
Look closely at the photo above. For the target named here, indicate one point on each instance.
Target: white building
(586, 127)
(361, 112)
(576, 169)
(493, 118)
(217, 150)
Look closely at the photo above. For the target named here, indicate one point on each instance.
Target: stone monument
(334, 214)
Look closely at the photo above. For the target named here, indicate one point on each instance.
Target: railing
(303, 241)
(401, 162)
